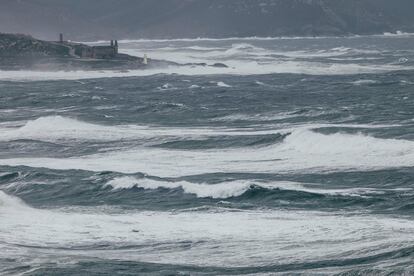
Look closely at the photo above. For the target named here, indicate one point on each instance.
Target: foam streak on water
(263, 235)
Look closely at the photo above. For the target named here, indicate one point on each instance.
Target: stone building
(96, 52)
(105, 52)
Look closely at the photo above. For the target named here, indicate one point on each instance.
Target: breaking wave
(227, 189)
(255, 235)
(242, 68)
(52, 128)
(302, 150)
(222, 190)
(223, 84)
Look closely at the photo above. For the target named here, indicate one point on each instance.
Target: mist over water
(296, 159)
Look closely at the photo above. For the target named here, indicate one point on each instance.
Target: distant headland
(19, 51)
(23, 52)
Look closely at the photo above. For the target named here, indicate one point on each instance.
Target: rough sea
(298, 159)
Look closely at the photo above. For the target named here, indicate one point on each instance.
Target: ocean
(297, 159)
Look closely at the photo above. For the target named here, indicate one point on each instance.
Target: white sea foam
(302, 150)
(7, 201)
(53, 128)
(222, 84)
(231, 188)
(194, 86)
(222, 190)
(235, 68)
(259, 237)
(260, 83)
(397, 34)
(364, 82)
(238, 53)
(261, 60)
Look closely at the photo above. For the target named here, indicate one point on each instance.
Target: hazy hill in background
(106, 19)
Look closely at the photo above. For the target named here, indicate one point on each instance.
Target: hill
(117, 19)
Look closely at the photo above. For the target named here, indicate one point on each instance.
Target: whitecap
(54, 128)
(194, 86)
(364, 82)
(222, 84)
(259, 237)
(302, 151)
(230, 189)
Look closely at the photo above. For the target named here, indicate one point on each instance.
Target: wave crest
(228, 189)
(51, 128)
(222, 190)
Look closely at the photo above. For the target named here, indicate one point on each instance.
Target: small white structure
(145, 59)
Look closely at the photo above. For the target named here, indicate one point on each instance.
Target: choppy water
(298, 159)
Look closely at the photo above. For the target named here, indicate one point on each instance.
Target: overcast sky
(104, 19)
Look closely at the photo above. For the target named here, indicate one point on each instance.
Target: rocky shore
(23, 52)
(19, 52)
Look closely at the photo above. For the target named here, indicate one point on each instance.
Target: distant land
(25, 52)
(19, 51)
(106, 19)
